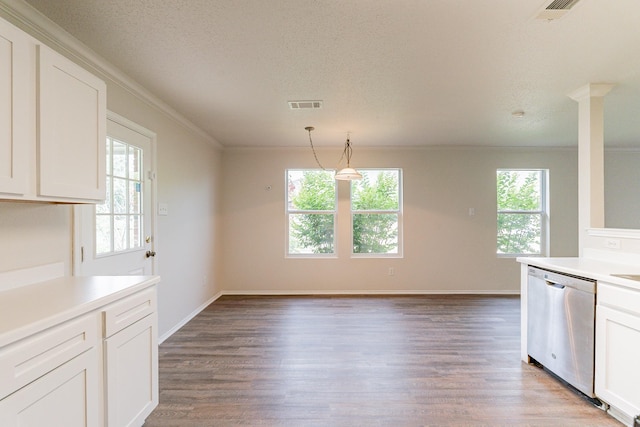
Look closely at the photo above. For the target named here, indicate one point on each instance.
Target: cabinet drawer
(619, 297)
(121, 314)
(32, 357)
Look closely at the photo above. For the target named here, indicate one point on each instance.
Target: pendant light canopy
(345, 174)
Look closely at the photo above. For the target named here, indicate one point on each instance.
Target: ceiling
(390, 72)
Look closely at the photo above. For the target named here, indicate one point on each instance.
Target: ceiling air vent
(304, 105)
(556, 9)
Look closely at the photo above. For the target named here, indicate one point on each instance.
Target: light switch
(163, 209)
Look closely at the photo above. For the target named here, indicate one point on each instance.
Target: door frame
(76, 256)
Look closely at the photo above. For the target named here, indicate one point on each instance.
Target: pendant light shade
(348, 174)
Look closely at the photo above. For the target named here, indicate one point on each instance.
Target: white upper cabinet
(52, 124)
(14, 109)
(72, 129)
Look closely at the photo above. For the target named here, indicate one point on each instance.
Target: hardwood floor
(360, 361)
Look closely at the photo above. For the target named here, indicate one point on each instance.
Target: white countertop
(33, 308)
(586, 267)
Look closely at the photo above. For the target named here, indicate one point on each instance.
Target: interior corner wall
(445, 249)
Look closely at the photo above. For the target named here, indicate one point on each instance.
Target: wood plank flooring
(360, 361)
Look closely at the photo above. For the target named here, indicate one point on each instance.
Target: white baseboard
(371, 292)
(186, 320)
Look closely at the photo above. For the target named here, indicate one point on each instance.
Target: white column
(590, 100)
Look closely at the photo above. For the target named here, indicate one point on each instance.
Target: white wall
(33, 234)
(622, 189)
(445, 249)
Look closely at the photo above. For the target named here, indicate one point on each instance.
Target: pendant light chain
(344, 152)
(310, 128)
(347, 152)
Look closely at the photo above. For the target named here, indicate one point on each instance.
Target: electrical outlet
(612, 243)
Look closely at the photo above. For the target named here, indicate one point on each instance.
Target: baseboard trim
(371, 292)
(186, 320)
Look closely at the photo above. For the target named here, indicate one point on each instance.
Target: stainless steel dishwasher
(561, 326)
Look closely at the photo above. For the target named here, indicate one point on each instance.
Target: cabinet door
(131, 358)
(617, 378)
(72, 129)
(68, 396)
(14, 108)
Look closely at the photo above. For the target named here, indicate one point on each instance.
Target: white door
(117, 236)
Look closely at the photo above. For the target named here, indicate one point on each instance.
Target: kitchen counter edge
(600, 271)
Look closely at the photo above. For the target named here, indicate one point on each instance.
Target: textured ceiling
(390, 72)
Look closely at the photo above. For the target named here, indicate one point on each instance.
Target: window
(311, 211)
(522, 212)
(376, 212)
(119, 218)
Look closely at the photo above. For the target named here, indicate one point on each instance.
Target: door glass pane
(135, 157)
(109, 156)
(134, 197)
(105, 208)
(119, 233)
(119, 156)
(119, 196)
(135, 232)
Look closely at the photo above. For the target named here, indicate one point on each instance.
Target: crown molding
(42, 28)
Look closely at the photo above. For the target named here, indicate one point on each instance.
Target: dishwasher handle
(554, 284)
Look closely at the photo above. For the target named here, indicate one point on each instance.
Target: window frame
(289, 212)
(398, 212)
(543, 212)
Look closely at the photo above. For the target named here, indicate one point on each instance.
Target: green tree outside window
(375, 206)
(312, 207)
(521, 212)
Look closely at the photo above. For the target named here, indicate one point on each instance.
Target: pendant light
(348, 173)
(345, 174)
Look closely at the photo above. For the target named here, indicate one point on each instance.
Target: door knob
(150, 254)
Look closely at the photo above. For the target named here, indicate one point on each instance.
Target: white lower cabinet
(131, 359)
(617, 375)
(131, 377)
(98, 368)
(68, 396)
